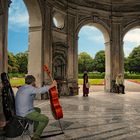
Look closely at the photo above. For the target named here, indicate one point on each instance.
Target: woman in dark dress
(85, 84)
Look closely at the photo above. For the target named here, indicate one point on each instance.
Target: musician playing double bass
(24, 104)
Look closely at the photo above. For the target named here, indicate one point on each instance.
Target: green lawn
(135, 80)
(92, 81)
(21, 81)
(17, 81)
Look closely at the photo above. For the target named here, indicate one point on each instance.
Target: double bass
(54, 101)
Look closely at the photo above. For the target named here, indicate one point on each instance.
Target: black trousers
(122, 88)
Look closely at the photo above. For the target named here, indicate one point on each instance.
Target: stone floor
(100, 116)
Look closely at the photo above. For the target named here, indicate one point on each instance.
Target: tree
(126, 64)
(12, 63)
(99, 61)
(133, 62)
(85, 62)
(22, 60)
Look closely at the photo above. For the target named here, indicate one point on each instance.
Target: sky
(91, 39)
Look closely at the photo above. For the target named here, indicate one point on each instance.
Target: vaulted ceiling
(106, 5)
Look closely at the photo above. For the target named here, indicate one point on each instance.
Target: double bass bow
(54, 101)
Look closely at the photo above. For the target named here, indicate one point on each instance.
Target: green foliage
(92, 75)
(17, 63)
(18, 75)
(22, 61)
(131, 76)
(12, 63)
(132, 63)
(85, 62)
(99, 61)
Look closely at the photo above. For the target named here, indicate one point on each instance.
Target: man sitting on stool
(25, 108)
(120, 84)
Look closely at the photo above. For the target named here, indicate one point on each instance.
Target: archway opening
(91, 56)
(18, 32)
(34, 27)
(132, 59)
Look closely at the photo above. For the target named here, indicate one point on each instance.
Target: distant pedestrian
(85, 84)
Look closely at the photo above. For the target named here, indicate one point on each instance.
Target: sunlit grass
(92, 81)
(21, 81)
(17, 81)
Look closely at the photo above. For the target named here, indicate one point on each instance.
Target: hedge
(18, 75)
(93, 75)
(132, 76)
(102, 75)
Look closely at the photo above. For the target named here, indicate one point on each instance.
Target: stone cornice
(35, 28)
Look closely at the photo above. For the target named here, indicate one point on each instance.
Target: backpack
(13, 128)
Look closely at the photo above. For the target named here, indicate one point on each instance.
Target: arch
(34, 10)
(35, 45)
(131, 25)
(104, 28)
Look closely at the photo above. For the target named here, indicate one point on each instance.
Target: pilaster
(3, 36)
(47, 44)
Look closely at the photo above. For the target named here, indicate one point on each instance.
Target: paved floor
(101, 116)
(129, 87)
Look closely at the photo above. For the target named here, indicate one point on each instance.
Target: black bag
(13, 128)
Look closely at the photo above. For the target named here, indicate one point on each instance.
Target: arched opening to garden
(18, 32)
(92, 39)
(132, 59)
(25, 39)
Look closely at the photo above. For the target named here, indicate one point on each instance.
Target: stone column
(72, 69)
(76, 58)
(114, 54)
(35, 53)
(3, 36)
(117, 50)
(3, 48)
(108, 66)
(47, 46)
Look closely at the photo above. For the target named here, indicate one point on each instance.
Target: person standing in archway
(85, 84)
